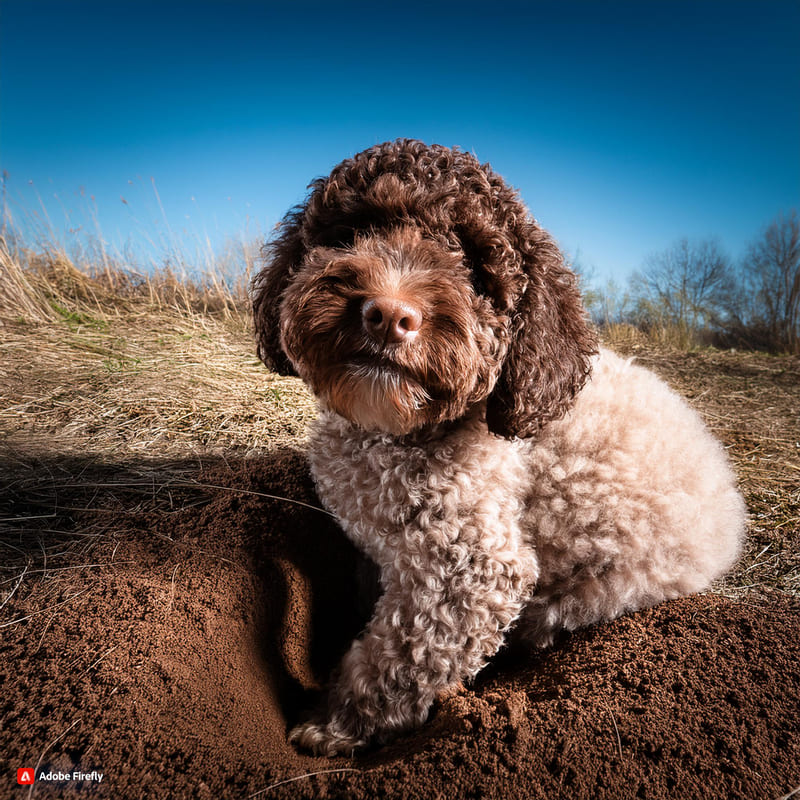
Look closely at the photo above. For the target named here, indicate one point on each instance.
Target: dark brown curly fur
(502, 318)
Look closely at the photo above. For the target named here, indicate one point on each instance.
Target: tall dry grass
(43, 286)
(46, 267)
(99, 355)
(662, 336)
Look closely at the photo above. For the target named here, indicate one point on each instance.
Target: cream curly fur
(625, 502)
(632, 502)
(503, 475)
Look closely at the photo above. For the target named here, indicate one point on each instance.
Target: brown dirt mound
(184, 628)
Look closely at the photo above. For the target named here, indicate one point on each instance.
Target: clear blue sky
(625, 125)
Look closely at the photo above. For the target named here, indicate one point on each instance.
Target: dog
(504, 473)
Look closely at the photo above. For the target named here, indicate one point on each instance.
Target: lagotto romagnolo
(506, 476)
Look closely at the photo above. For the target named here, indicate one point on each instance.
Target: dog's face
(413, 285)
(391, 332)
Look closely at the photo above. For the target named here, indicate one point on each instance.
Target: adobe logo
(25, 776)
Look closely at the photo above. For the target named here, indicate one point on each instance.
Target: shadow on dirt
(70, 513)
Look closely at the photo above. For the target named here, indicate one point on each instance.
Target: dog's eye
(338, 277)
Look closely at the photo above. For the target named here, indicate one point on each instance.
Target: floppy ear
(550, 347)
(281, 258)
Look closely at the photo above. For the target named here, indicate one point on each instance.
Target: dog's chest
(372, 484)
(384, 491)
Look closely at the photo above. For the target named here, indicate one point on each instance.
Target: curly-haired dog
(471, 440)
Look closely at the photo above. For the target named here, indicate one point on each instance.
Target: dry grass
(154, 384)
(119, 363)
(145, 378)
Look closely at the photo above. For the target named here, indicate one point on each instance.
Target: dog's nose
(390, 321)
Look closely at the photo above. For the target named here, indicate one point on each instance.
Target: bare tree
(610, 304)
(586, 278)
(771, 284)
(683, 286)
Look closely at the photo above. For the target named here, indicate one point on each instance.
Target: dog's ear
(550, 347)
(281, 258)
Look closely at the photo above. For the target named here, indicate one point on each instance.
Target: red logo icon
(25, 776)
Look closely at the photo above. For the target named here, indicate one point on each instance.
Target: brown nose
(390, 321)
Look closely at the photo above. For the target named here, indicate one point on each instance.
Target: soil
(168, 632)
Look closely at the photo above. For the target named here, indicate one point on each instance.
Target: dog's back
(632, 502)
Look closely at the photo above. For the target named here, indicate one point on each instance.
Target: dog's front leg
(436, 625)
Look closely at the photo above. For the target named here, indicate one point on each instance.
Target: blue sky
(625, 125)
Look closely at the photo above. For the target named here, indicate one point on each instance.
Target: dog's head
(412, 286)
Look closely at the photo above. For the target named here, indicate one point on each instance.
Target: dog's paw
(325, 739)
